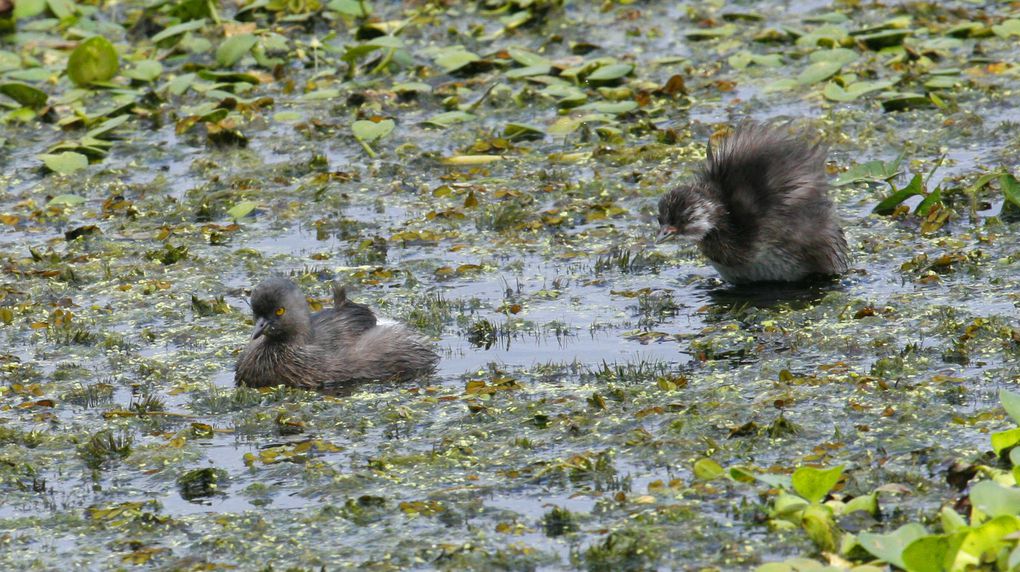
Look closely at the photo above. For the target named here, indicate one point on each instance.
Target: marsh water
(585, 369)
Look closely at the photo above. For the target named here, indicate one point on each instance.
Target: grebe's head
(280, 310)
(686, 212)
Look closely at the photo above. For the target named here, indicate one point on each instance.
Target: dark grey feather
(333, 347)
(764, 193)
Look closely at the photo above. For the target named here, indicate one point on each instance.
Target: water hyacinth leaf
(839, 55)
(875, 170)
(889, 547)
(889, 204)
(930, 200)
(527, 59)
(820, 527)
(903, 101)
(145, 70)
(107, 126)
(470, 160)
(448, 118)
(178, 30)
(62, 9)
(94, 60)
(24, 94)
(614, 108)
(784, 84)
(1007, 28)
(65, 163)
(813, 484)
(369, 131)
(529, 71)
(1011, 191)
(767, 60)
(994, 499)
(833, 91)
(987, 538)
(818, 71)
(1005, 440)
(455, 58)
(927, 554)
(610, 73)
(883, 39)
(25, 9)
(711, 33)
(707, 469)
(241, 209)
(233, 49)
(1010, 400)
(522, 131)
(355, 8)
(65, 201)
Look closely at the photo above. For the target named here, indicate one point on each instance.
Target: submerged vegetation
(487, 171)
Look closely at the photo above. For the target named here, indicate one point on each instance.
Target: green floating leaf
(234, 48)
(613, 107)
(94, 60)
(24, 94)
(528, 59)
(1011, 191)
(1008, 28)
(835, 92)
(455, 58)
(529, 71)
(784, 84)
(1004, 440)
(62, 9)
(241, 209)
(710, 33)
(883, 39)
(994, 499)
(610, 73)
(875, 170)
(902, 101)
(927, 554)
(889, 547)
(178, 30)
(65, 201)
(522, 131)
(841, 55)
(145, 70)
(355, 8)
(818, 71)
(65, 163)
(369, 131)
(888, 205)
(1010, 401)
(446, 119)
(707, 469)
(813, 484)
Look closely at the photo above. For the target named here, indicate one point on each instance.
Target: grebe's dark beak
(260, 326)
(667, 232)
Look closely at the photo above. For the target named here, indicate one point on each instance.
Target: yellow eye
(281, 311)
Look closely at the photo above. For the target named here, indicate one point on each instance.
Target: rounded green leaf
(66, 162)
(889, 547)
(241, 209)
(94, 60)
(369, 131)
(611, 72)
(818, 71)
(707, 469)
(145, 70)
(233, 49)
(65, 201)
(24, 94)
(994, 499)
(813, 484)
